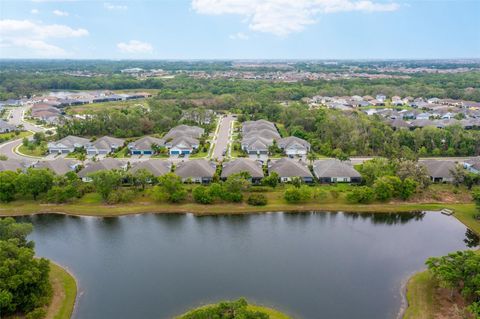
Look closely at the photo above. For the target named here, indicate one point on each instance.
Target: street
(223, 137)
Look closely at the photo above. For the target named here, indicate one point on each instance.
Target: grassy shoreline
(273, 314)
(64, 293)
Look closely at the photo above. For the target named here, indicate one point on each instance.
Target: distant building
(103, 165)
(6, 127)
(153, 166)
(439, 171)
(294, 146)
(59, 166)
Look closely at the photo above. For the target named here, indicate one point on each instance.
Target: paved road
(16, 118)
(223, 137)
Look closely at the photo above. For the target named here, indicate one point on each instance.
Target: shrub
(259, 189)
(120, 196)
(362, 194)
(38, 313)
(202, 195)
(297, 194)
(257, 200)
(59, 194)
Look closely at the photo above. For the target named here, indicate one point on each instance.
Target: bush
(202, 195)
(60, 195)
(363, 194)
(38, 313)
(120, 196)
(257, 200)
(297, 194)
(387, 187)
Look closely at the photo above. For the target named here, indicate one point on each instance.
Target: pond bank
(426, 300)
(64, 293)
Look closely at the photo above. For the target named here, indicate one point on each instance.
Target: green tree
(34, 182)
(375, 168)
(106, 181)
(142, 177)
(7, 185)
(202, 195)
(361, 194)
(271, 180)
(24, 279)
(409, 187)
(170, 189)
(297, 194)
(387, 187)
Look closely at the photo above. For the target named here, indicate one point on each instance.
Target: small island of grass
(232, 310)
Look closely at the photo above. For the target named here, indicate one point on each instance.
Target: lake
(309, 265)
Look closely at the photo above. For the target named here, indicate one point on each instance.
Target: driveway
(223, 137)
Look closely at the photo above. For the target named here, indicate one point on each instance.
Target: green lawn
(37, 151)
(5, 137)
(420, 296)
(96, 107)
(65, 292)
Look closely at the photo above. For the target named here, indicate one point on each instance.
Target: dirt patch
(448, 307)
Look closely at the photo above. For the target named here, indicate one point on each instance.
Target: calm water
(311, 265)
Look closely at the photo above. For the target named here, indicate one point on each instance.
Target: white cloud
(25, 34)
(135, 46)
(110, 6)
(239, 36)
(34, 11)
(60, 13)
(282, 17)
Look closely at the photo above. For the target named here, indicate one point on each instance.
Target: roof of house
(257, 143)
(6, 125)
(70, 141)
(399, 123)
(240, 165)
(59, 166)
(334, 168)
(155, 167)
(145, 143)
(293, 141)
(105, 164)
(439, 168)
(196, 168)
(287, 167)
(10, 165)
(107, 142)
(184, 130)
(183, 142)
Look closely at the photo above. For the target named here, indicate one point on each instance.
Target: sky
(240, 29)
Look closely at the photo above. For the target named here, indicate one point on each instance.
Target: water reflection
(388, 218)
(471, 239)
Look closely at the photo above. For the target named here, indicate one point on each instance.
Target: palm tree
(311, 157)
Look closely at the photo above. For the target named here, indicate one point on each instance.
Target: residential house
(294, 146)
(183, 139)
(104, 145)
(6, 127)
(399, 124)
(11, 165)
(103, 165)
(184, 145)
(440, 171)
(288, 168)
(59, 166)
(473, 165)
(335, 171)
(154, 167)
(67, 144)
(145, 146)
(381, 98)
(258, 136)
(240, 165)
(196, 171)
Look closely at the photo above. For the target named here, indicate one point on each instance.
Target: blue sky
(241, 29)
